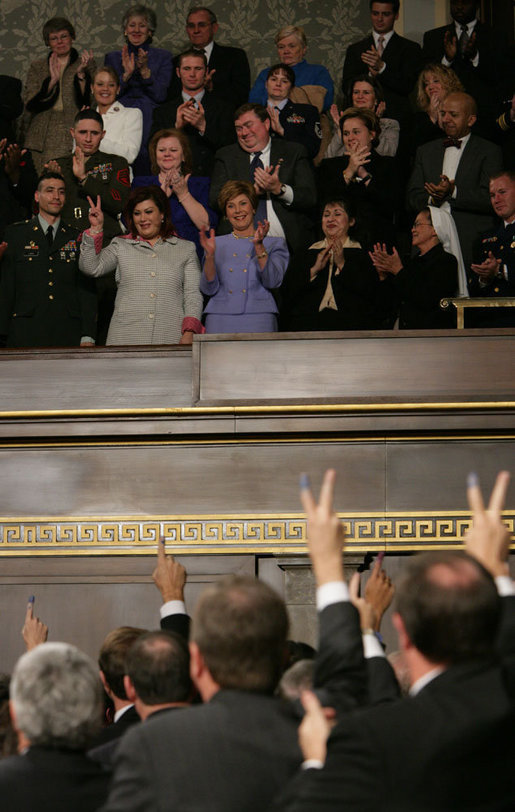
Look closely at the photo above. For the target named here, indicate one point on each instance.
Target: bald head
(459, 113)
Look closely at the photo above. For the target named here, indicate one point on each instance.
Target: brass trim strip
(322, 408)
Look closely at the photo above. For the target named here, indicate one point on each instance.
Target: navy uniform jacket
(301, 123)
(45, 301)
(501, 242)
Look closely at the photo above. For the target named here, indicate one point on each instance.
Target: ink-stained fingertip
(472, 480)
(304, 482)
(31, 599)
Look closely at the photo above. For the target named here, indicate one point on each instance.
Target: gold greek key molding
(265, 533)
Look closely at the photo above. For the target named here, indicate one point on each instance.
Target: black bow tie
(452, 142)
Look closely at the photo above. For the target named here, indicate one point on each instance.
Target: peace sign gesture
(96, 216)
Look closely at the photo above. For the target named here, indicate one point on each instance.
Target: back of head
(298, 678)
(56, 696)
(113, 654)
(240, 626)
(158, 664)
(450, 607)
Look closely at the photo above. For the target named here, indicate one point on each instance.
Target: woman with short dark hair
(56, 88)
(158, 300)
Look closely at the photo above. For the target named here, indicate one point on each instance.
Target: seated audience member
(434, 83)
(44, 299)
(418, 284)
(453, 172)
(205, 118)
(477, 54)
(454, 747)
(156, 679)
(123, 126)
(157, 673)
(56, 88)
(363, 176)
(172, 163)
(144, 72)
(296, 679)
(331, 285)
(228, 68)
(111, 662)
(56, 709)
(189, 758)
(157, 275)
(18, 182)
(290, 120)
(8, 738)
(494, 274)
(315, 80)
(240, 300)
(280, 170)
(366, 93)
(395, 60)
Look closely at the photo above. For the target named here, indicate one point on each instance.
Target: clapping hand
(54, 67)
(372, 60)
(487, 269)
(383, 262)
(274, 120)
(86, 59)
(439, 191)
(260, 232)
(142, 63)
(128, 63)
(267, 180)
(450, 46)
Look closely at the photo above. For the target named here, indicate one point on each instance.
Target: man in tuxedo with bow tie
(454, 173)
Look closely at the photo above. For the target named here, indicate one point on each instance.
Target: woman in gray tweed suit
(158, 299)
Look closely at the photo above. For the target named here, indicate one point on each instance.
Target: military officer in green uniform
(89, 172)
(45, 301)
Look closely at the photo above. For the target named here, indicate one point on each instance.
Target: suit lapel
(466, 160)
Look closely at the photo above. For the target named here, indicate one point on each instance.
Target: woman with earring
(144, 72)
(241, 268)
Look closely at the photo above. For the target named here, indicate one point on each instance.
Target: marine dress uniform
(45, 301)
(501, 243)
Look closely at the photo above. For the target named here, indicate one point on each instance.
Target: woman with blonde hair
(434, 83)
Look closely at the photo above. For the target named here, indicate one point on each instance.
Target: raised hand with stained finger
(169, 576)
(96, 216)
(488, 540)
(325, 536)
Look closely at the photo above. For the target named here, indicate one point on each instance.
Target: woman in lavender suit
(144, 72)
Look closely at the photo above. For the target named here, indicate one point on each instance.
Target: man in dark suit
(111, 661)
(477, 55)
(55, 706)
(454, 173)
(281, 172)
(450, 744)
(45, 301)
(228, 68)
(394, 60)
(205, 118)
(494, 274)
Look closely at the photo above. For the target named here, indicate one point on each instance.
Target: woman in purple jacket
(144, 72)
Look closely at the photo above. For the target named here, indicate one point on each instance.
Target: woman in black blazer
(332, 285)
(363, 176)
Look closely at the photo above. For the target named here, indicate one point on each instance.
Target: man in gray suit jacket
(280, 170)
(454, 173)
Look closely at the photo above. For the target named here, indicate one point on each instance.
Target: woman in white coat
(123, 125)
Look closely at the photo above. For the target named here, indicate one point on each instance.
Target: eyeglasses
(59, 37)
(420, 223)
